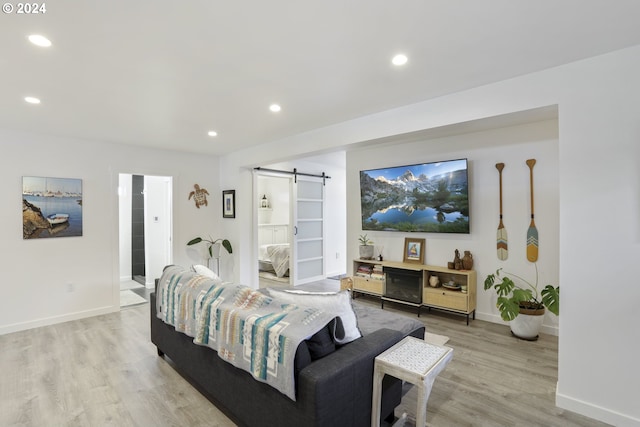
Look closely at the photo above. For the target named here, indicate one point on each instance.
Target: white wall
(37, 273)
(599, 190)
(512, 146)
(336, 213)
(157, 226)
(277, 190)
(124, 215)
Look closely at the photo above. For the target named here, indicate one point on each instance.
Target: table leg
(424, 390)
(377, 397)
(421, 413)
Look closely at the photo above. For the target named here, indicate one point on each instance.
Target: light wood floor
(104, 371)
(493, 380)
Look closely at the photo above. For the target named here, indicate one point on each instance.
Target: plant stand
(210, 263)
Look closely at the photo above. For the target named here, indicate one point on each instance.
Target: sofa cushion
(302, 359)
(337, 303)
(321, 343)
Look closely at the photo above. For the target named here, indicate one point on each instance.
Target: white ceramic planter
(527, 326)
(366, 251)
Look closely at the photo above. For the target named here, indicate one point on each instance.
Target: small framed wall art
(229, 204)
(414, 250)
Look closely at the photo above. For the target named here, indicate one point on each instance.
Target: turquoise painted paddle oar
(532, 232)
(502, 246)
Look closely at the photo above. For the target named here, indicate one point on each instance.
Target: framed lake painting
(51, 207)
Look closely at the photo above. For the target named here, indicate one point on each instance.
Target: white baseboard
(16, 327)
(596, 412)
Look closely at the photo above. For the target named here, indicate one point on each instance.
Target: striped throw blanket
(248, 329)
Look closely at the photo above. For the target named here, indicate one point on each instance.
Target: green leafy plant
(364, 240)
(511, 297)
(210, 243)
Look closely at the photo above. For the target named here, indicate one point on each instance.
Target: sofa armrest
(339, 386)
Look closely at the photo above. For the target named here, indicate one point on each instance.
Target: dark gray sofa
(335, 390)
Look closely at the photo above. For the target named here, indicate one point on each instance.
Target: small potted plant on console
(366, 247)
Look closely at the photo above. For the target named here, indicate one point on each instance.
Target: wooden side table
(412, 360)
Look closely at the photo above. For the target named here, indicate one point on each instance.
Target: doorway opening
(145, 234)
(317, 216)
(274, 237)
(290, 228)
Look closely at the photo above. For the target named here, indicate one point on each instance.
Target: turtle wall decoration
(199, 196)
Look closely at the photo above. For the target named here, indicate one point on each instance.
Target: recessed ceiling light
(39, 40)
(212, 133)
(275, 108)
(32, 100)
(399, 59)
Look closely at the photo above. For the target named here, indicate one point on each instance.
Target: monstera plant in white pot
(523, 306)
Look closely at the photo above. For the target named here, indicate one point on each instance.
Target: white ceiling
(162, 73)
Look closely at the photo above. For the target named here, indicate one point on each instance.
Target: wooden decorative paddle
(502, 246)
(532, 232)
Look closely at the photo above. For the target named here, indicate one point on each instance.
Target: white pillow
(337, 303)
(205, 271)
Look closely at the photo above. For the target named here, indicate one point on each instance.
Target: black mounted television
(426, 197)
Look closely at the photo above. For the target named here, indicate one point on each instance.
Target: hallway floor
(133, 293)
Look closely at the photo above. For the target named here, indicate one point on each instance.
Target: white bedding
(277, 255)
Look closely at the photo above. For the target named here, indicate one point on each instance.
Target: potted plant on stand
(366, 247)
(213, 248)
(523, 306)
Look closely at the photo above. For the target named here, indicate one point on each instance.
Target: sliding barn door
(308, 230)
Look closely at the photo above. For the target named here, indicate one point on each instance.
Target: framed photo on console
(414, 250)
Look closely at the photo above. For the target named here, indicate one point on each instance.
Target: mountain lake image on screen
(427, 197)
